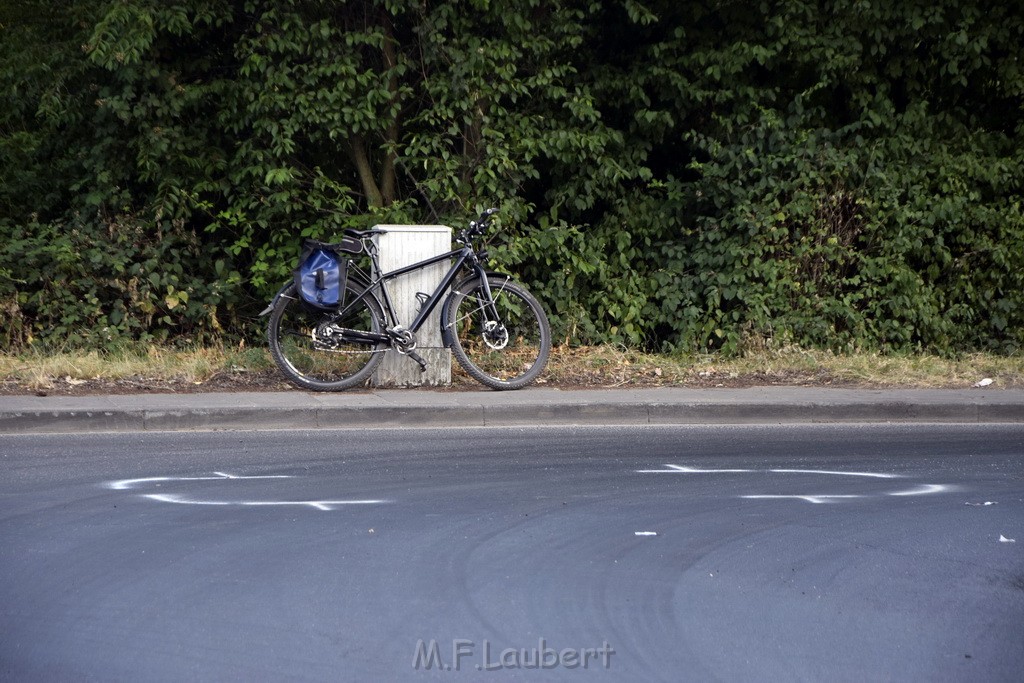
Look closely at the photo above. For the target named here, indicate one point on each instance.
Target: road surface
(657, 553)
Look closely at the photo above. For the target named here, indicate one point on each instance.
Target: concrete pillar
(404, 245)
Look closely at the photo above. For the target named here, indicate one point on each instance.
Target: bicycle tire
(308, 363)
(505, 354)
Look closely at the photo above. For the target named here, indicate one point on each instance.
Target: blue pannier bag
(320, 275)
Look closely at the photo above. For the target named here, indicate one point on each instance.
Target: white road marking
(679, 469)
(132, 483)
(923, 490)
(920, 490)
(826, 498)
(645, 533)
(325, 505)
(877, 475)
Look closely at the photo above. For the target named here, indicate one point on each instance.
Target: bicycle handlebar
(477, 227)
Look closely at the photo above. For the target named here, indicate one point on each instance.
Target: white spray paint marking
(818, 499)
(923, 490)
(326, 505)
(645, 533)
(132, 483)
(679, 469)
(877, 475)
(920, 490)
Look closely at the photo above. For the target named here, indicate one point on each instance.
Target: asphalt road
(658, 553)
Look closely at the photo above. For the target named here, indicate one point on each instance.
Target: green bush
(97, 283)
(672, 175)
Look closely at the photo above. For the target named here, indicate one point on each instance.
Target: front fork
(489, 306)
(487, 294)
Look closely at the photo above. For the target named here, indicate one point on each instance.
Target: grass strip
(601, 366)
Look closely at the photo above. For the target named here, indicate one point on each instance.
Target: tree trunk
(357, 148)
(388, 179)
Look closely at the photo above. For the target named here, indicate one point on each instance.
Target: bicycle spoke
(505, 351)
(496, 329)
(312, 350)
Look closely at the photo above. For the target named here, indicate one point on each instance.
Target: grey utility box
(403, 245)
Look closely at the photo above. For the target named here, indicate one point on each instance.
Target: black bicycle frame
(462, 256)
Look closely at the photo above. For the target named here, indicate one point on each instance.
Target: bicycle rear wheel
(503, 351)
(312, 348)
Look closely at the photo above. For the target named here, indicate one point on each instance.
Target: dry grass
(220, 368)
(610, 366)
(39, 370)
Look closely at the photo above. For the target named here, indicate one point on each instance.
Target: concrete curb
(528, 407)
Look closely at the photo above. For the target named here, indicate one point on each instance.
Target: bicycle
(497, 330)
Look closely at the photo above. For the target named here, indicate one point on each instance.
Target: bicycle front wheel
(504, 346)
(316, 350)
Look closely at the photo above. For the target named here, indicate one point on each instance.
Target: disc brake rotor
(495, 335)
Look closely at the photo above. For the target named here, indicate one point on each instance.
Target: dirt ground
(271, 380)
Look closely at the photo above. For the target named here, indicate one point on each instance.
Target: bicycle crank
(404, 341)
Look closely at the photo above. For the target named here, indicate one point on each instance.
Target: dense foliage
(838, 174)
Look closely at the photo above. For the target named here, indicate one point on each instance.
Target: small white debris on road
(1004, 539)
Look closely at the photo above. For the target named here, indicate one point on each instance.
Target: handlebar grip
(478, 226)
